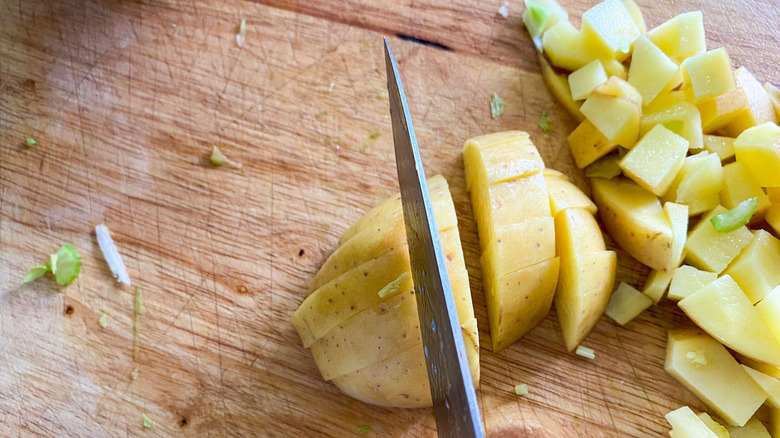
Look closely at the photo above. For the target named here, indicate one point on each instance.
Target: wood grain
(126, 99)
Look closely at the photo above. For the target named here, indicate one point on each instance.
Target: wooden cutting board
(126, 98)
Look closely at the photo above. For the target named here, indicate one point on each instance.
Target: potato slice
(770, 385)
(610, 29)
(757, 268)
(712, 251)
(769, 308)
(713, 425)
(564, 194)
(584, 80)
(402, 380)
(723, 311)
(707, 369)
(634, 218)
(677, 215)
(614, 108)
(500, 157)
(686, 424)
(650, 69)
(722, 146)
(566, 46)
(518, 245)
(656, 284)
(675, 113)
(698, 183)
(626, 303)
(587, 144)
(687, 280)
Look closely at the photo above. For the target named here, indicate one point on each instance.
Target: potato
(720, 111)
(722, 310)
(635, 219)
(712, 251)
(759, 109)
(626, 303)
(758, 149)
(686, 424)
(769, 308)
(754, 428)
(558, 84)
(677, 114)
(584, 80)
(402, 380)
(636, 14)
(713, 425)
(677, 215)
(566, 46)
(723, 147)
(687, 280)
(564, 194)
(519, 273)
(587, 144)
(707, 369)
(681, 37)
(774, 422)
(740, 184)
(655, 160)
(709, 74)
(555, 14)
(501, 157)
(613, 67)
(610, 29)
(614, 109)
(577, 233)
(698, 183)
(656, 284)
(650, 70)
(774, 95)
(757, 268)
(770, 385)
(357, 289)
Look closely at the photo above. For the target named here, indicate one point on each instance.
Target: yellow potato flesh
(769, 309)
(711, 250)
(723, 147)
(626, 303)
(681, 113)
(759, 108)
(757, 268)
(656, 285)
(636, 14)
(758, 149)
(566, 46)
(686, 424)
(655, 160)
(770, 385)
(614, 109)
(610, 28)
(720, 111)
(740, 184)
(634, 218)
(577, 233)
(721, 383)
(754, 428)
(709, 74)
(774, 95)
(564, 194)
(722, 310)
(583, 81)
(698, 183)
(650, 70)
(713, 425)
(680, 37)
(687, 280)
(501, 157)
(587, 144)
(518, 245)
(677, 215)
(558, 84)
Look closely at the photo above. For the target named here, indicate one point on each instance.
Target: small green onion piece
(217, 157)
(697, 357)
(393, 286)
(521, 389)
(148, 423)
(134, 374)
(66, 265)
(496, 105)
(736, 217)
(606, 167)
(362, 430)
(35, 273)
(535, 18)
(242, 27)
(103, 321)
(374, 135)
(545, 122)
(675, 126)
(585, 352)
(324, 112)
(30, 142)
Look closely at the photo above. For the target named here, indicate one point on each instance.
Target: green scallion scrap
(496, 105)
(736, 217)
(545, 122)
(521, 389)
(393, 286)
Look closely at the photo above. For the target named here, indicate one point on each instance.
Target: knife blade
(452, 389)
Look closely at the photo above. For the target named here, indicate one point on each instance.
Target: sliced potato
(610, 29)
(614, 108)
(754, 428)
(564, 194)
(770, 385)
(739, 184)
(626, 303)
(587, 144)
(686, 424)
(687, 280)
(584, 80)
(709, 74)
(650, 69)
(677, 215)
(656, 284)
(655, 160)
(722, 146)
(757, 268)
(501, 156)
(521, 244)
(769, 308)
(712, 251)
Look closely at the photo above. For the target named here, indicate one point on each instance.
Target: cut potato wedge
(564, 194)
(759, 109)
(656, 285)
(626, 303)
(558, 84)
(712, 251)
(757, 268)
(681, 37)
(770, 385)
(587, 144)
(687, 280)
(686, 424)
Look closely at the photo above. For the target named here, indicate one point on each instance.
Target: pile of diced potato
(684, 155)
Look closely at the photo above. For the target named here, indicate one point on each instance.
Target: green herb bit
(241, 35)
(535, 18)
(606, 167)
(65, 264)
(35, 273)
(585, 352)
(545, 122)
(736, 217)
(496, 105)
(148, 423)
(393, 286)
(30, 142)
(374, 135)
(242, 27)
(324, 112)
(103, 320)
(675, 126)
(217, 157)
(521, 389)
(362, 430)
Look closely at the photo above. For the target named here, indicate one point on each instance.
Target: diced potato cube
(610, 28)
(500, 157)
(698, 183)
(757, 268)
(769, 309)
(651, 70)
(760, 108)
(564, 194)
(720, 111)
(549, 8)
(626, 303)
(655, 160)
(579, 233)
(713, 425)
(722, 310)
(758, 149)
(709, 74)
(656, 285)
(713, 251)
(636, 14)
(614, 108)
(681, 117)
(587, 144)
(774, 95)
(770, 385)
(634, 218)
(613, 67)
(677, 215)
(518, 246)
(686, 424)
(687, 280)
(680, 37)
(720, 383)
(583, 81)
(738, 185)
(722, 146)
(754, 428)
(558, 85)
(566, 46)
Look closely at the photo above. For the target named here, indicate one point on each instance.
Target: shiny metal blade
(452, 390)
